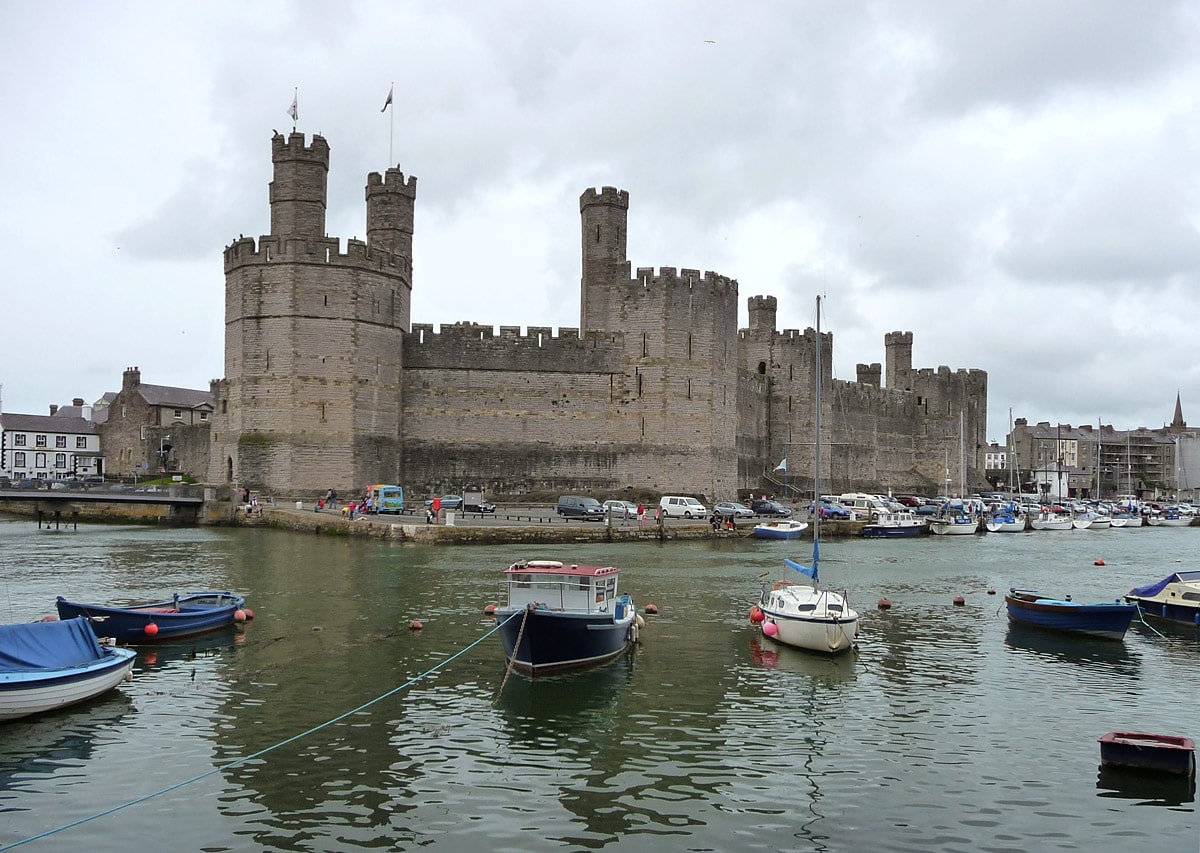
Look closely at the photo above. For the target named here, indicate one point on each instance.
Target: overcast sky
(1016, 183)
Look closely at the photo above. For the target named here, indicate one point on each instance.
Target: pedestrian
(641, 513)
(245, 496)
(437, 510)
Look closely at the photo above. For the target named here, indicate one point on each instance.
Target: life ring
(782, 584)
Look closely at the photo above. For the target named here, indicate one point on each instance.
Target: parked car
(833, 510)
(577, 506)
(621, 509)
(727, 509)
(448, 502)
(774, 508)
(681, 505)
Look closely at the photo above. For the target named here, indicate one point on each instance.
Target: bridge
(128, 503)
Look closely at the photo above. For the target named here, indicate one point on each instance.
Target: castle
(328, 384)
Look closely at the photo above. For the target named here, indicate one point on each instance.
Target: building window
(39, 460)
(179, 414)
(81, 442)
(19, 459)
(60, 460)
(40, 441)
(19, 441)
(203, 417)
(60, 441)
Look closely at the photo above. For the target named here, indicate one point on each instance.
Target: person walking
(437, 510)
(641, 513)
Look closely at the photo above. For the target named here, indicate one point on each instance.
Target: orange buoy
(151, 629)
(959, 601)
(991, 590)
(885, 604)
(239, 616)
(756, 615)
(415, 625)
(1100, 562)
(651, 609)
(249, 613)
(50, 618)
(490, 610)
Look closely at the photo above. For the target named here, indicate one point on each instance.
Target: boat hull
(1005, 526)
(553, 641)
(1052, 524)
(1143, 751)
(951, 528)
(780, 530)
(1108, 620)
(873, 531)
(806, 618)
(188, 616)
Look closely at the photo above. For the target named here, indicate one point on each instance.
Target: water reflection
(1148, 788)
(1112, 657)
(826, 669)
(577, 702)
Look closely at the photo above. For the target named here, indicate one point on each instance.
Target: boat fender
(151, 629)
(415, 625)
(756, 615)
(490, 610)
(239, 616)
(249, 613)
(1099, 562)
(885, 604)
(770, 629)
(959, 601)
(651, 609)
(640, 622)
(633, 633)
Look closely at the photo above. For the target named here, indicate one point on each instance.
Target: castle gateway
(328, 384)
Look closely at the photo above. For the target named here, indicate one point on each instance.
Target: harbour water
(947, 731)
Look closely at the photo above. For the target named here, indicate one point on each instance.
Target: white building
(48, 447)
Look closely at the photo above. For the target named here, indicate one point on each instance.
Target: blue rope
(261, 752)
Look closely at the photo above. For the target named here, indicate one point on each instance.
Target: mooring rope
(516, 649)
(260, 752)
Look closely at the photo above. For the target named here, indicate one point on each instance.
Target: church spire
(1178, 423)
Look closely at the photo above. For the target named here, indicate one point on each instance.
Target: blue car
(833, 510)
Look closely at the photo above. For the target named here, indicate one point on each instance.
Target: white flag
(388, 102)
(782, 466)
(294, 110)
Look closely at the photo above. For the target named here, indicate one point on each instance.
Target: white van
(863, 506)
(678, 506)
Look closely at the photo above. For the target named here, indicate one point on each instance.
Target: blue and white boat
(1175, 597)
(560, 617)
(1109, 620)
(52, 664)
(891, 525)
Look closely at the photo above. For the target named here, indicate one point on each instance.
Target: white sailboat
(954, 519)
(798, 614)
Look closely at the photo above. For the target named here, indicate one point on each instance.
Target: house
(49, 447)
(149, 430)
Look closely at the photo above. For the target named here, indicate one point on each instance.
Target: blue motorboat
(561, 617)
(1109, 619)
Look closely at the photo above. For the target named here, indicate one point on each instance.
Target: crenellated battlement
(472, 346)
(393, 181)
(292, 147)
(669, 277)
(316, 250)
(458, 334)
(605, 195)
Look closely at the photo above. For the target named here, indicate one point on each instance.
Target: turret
(390, 204)
(604, 218)
(762, 313)
(298, 191)
(898, 357)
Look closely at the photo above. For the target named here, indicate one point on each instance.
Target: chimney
(78, 401)
(53, 408)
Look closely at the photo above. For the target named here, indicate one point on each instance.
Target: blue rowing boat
(181, 616)
(1109, 620)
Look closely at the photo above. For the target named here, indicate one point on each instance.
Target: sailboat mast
(817, 453)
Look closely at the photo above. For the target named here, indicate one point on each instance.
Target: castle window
(597, 233)
(322, 412)
(689, 346)
(326, 300)
(639, 389)
(224, 407)
(645, 350)
(689, 396)
(762, 368)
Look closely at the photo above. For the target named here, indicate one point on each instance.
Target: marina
(922, 739)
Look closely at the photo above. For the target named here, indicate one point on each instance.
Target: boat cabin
(550, 584)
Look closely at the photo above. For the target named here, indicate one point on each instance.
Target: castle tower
(604, 220)
(312, 395)
(898, 357)
(298, 191)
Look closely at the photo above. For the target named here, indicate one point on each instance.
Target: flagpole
(392, 127)
(295, 107)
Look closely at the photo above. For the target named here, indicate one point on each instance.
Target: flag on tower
(388, 102)
(782, 466)
(294, 109)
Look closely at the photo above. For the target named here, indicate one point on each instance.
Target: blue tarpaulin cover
(37, 646)
(1154, 589)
